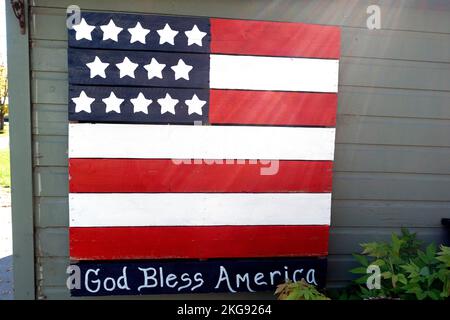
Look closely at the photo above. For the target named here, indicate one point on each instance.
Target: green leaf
(374, 249)
(396, 244)
(402, 279)
(421, 295)
(361, 259)
(361, 280)
(359, 270)
(444, 255)
(425, 271)
(431, 250)
(411, 268)
(379, 262)
(433, 294)
(394, 280)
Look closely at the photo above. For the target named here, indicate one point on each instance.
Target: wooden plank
(20, 140)
(165, 277)
(393, 131)
(139, 105)
(381, 213)
(186, 242)
(358, 72)
(273, 73)
(51, 88)
(347, 240)
(81, 72)
(339, 267)
(395, 44)
(366, 72)
(200, 142)
(343, 240)
(164, 175)
(53, 269)
(198, 209)
(52, 181)
(138, 39)
(52, 242)
(266, 38)
(394, 159)
(51, 212)
(42, 49)
(395, 15)
(43, 21)
(51, 151)
(388, 102)
(272, 108)
(355, 42)
(388, 186)
(50, 120)
(142, 105)
(222, 71)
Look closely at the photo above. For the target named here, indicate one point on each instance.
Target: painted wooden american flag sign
(193, 139)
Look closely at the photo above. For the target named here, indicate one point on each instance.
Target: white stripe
(273, 73)
(198, 209)
(202, 142)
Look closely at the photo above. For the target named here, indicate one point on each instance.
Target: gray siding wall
(392, 165)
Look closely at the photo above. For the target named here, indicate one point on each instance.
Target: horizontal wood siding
(391, 165)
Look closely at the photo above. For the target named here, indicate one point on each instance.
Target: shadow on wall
(6, 278)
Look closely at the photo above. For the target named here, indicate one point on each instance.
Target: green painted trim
(21, 156)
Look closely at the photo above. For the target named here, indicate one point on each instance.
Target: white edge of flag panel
(198, 209)
(88, 140)
(273, 73)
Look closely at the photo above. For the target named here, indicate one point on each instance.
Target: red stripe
(164, 175)
(197, 242)
(274, 38)
(272, 108)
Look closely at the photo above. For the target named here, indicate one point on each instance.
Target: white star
(195, 36)
(195, 105)
(127, 68)
(83, 103)
(182, 70)
(168, 104)
(154, 69)
(167, 35)
(97, 67)
(138, 33)
(83, 30)
(110, 31)
(141, 103)
(112, 103)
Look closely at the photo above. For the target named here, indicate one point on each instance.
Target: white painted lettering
(199, 278)
(311, 276)
(258, 277)
(224, 277)
(185, 277)
(245, 278)
(171, 277)
(86, 280)
(148, 277)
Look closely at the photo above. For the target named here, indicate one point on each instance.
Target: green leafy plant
(300, 290)
(407, 272)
